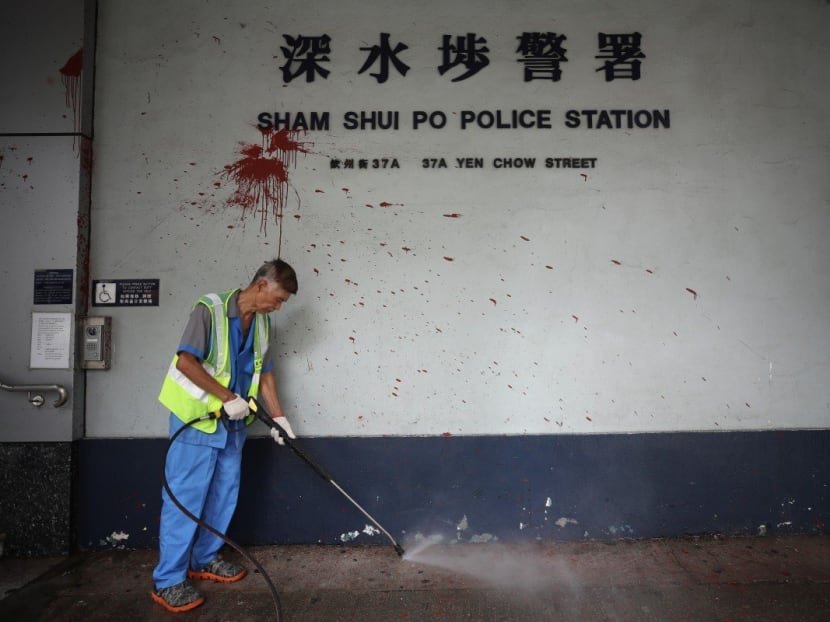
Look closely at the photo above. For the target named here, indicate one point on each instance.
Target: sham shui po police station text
(539, 119)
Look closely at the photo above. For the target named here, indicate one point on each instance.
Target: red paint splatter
(405, 249)
(549, 267)
(584, 176)
(525, 238)
(493, 300)
(616, 261)
(316, 271)
(575, 317)
(446, 435)
(261, 176)
(589, 419)
(449, 258)
(320, 191)
(649, 270)
(692, 292)
(453, 215)
(71, 79)
(388, 204)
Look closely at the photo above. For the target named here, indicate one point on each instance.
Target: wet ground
(700, 579)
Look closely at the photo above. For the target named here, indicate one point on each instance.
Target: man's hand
(236, 409)
(275, 433)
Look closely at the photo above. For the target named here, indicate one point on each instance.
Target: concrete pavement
(696, 579)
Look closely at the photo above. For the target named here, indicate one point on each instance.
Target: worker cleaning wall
(563, 268)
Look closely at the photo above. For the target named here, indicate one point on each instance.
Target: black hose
(274, 596)
(260, 413)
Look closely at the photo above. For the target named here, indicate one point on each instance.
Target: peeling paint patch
(116, 538)
(349, 536)
(563, 521)
(463, 525)
(369, 530)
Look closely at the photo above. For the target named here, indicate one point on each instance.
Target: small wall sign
(53, 287)
(125, 293)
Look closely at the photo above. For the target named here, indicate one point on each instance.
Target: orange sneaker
(219, 570)
(178, 598)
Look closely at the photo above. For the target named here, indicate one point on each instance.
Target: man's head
(278, 272)
(272, 285)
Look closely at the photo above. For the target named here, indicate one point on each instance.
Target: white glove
(275, 433)
(236, 409)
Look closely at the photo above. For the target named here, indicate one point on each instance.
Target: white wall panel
(40, 38)
(39, 184)
(678, 285)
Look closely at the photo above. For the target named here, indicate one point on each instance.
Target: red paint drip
(71, 79)
(446, 435)
(692, 292)
(453, 215)
(261, 176)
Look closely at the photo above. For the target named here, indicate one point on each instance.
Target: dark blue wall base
(511, 488)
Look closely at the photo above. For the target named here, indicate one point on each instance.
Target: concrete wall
(646, 284)
(678, 285)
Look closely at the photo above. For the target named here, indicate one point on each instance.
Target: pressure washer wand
(259, 411)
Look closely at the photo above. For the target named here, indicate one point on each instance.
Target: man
(221, 361)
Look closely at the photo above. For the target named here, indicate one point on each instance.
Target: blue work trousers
(205, 480)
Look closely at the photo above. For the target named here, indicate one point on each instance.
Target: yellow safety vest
(188, 401)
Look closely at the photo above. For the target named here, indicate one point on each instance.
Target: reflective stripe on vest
(188, 401)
